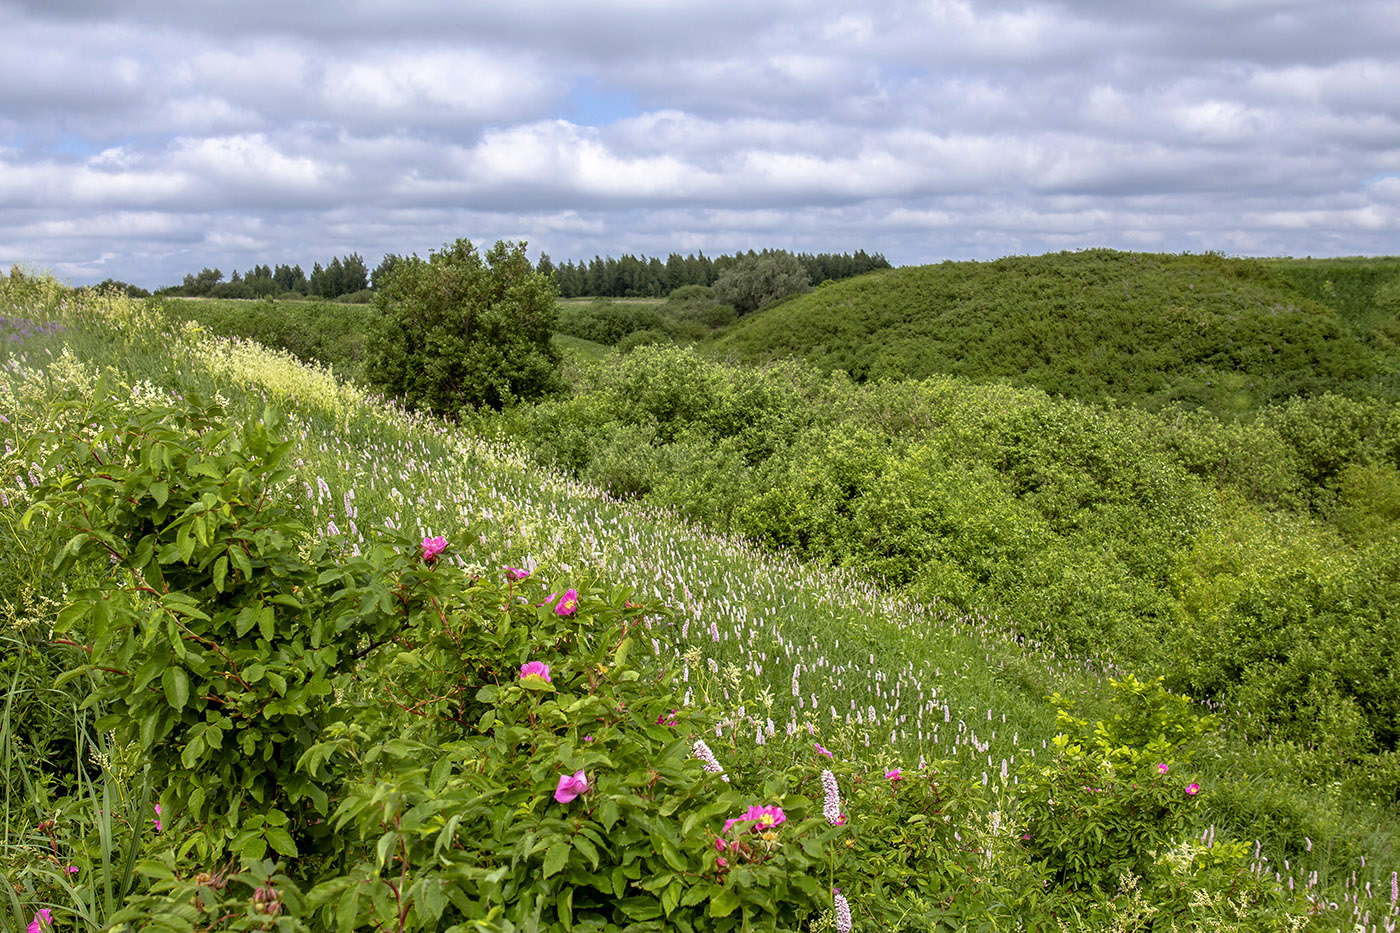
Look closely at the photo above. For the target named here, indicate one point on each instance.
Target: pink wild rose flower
(761, 817)
(42, 922)
(1162, 768)
(535, 669)
(516, 574)
(896, 775)
(1193, 789)
(823, 750)
(571, 787)
(432, 547)
(567, 603)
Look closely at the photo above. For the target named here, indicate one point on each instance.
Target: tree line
(350, 278)
(642, 277)
(339, 278)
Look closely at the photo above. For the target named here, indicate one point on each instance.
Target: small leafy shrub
(1114, 798)
(207, 642)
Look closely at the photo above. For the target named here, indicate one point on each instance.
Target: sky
(142, 140)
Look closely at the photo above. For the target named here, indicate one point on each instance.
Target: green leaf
(160, 492)
(254, 847)
(220, 573)
(247, 618)
(589, 850)
(185, 543)
(281, 841)
(724, 903)
(348, 910)
(556, 858)
(189, 757)
(241, 561)
(385, 846)
(177, 686)
(623, 650)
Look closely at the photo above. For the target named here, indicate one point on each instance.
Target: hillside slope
(1223, 334)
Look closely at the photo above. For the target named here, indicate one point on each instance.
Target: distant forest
(350, 279)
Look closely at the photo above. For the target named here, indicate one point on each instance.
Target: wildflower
(567, 603)
(1162, 768)
(761, 817)
(1193, 789)
(516, 574)
(42, 922)
(822, 749)
(896, 775)
(71, 869)
(535, 669)
(666, 719)
(707, 759)
(432, 547)
(157, 819)
(831, 809)
(843, 913)
(571, 787)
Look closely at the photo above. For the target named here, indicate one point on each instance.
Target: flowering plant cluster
(292, 698)
(1112, 800)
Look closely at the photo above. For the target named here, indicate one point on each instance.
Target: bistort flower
(831, 809)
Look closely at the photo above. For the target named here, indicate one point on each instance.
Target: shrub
(210, 635)
(1114, 798)
(458, 331)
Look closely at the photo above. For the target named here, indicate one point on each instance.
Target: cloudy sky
(144, 139)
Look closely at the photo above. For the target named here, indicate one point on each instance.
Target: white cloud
(156, 139)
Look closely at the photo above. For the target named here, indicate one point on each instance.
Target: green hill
(1150, 330)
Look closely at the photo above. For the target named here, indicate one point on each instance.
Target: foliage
(641, 277)
(208, 629)
(745, 627)
(1149, 330)
(758, 281)
(1152, 539)
(461, 331)
(1113, 798)
(314, 331)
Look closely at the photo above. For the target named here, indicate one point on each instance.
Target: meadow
(965, 801)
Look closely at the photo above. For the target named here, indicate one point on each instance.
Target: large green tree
(459, 330)
(753, 281)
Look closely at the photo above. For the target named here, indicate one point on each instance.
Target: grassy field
(769, 644)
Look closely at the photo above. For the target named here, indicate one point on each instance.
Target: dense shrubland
(1256, 564)
(1152, 331)
(435, 706)
(688, 314)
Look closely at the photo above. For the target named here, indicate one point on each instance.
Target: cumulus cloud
(144, 140)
